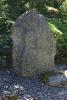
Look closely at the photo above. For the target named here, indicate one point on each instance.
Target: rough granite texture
(33, 44)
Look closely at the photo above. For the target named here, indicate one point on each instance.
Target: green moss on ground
(44, 77)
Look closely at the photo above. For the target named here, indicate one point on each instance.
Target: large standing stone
(33, 45)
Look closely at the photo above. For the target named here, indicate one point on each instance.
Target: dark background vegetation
(54, 10)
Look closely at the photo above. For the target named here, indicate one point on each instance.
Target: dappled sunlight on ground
(29, 88)
(65, 73)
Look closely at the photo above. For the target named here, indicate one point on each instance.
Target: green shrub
(59, 30)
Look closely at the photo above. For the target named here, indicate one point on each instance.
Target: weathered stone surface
(33, 44)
